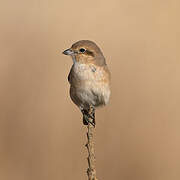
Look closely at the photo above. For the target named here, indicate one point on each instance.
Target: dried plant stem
(91, 171)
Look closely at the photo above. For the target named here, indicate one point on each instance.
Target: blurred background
(41, 132)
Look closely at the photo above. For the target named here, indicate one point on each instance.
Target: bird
(89, 78)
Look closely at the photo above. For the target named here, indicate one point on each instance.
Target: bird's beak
(68, 52)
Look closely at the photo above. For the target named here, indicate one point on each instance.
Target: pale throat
(73, 59)
(82, 67)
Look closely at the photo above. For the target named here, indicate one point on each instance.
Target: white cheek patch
(73, 58)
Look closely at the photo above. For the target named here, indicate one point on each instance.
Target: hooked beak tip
(68, 52)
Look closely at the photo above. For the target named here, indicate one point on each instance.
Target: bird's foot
(88, 119)
(88, 116)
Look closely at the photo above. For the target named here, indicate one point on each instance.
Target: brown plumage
(89, 77)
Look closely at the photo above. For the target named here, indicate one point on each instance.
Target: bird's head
(86, 51)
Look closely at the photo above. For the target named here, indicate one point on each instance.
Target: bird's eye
(82, 50)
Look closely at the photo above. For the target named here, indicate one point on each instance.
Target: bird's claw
(87, 118)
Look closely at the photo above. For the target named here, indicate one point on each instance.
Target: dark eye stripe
(90, 53)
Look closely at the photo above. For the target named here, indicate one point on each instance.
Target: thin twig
(91, 171)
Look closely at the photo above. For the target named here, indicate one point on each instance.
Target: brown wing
(73, 78)
(70, 76)
(108, 74)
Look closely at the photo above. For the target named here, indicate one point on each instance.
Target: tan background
(41, 131)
